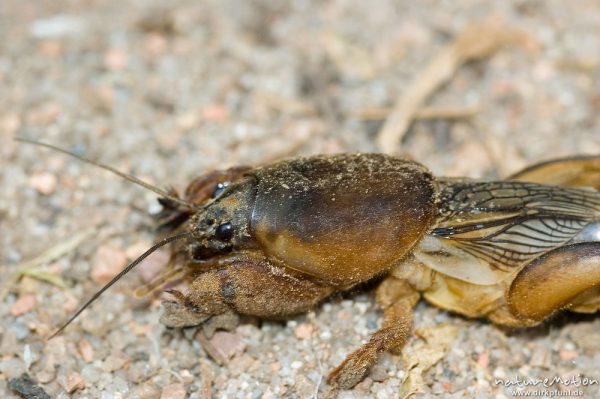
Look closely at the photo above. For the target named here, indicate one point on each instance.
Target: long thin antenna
(125, 176)
(118, 276)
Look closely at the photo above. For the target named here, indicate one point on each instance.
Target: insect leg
(555, 281)
(397, 298)
(249, 285)
(581, 171)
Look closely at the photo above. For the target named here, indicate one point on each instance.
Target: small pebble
(56, 26)
(541, 357)
(188, 120)
(214, 113)
(483, 360)
(74, 382)
(46, 376)
(144, 391)
(86, 350)
(12, 367)
(568, 354)
(570, 346)
(344, 315)
(26, 387)
(139, 371)
(362, 307)
(296, 364)
(152, 265)
(378, 373)
(90, 373)
(29, 356)
(173, 391)
(10, 123)
(364, 385)
(43, 182)
(114, 361)
(137, 248)
(115, 59)
(21, 330)
(275, 367)
(186, 376)
(268, 394)
(304, 331)
(109, 261)
(228, 344)
(24, 304)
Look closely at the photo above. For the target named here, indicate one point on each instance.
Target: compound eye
(224, 232)
(219, 188)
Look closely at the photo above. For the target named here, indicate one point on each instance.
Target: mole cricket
(277, 240)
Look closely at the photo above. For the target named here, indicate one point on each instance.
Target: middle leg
(397, 298)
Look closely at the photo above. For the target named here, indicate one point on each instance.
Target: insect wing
(504, 225)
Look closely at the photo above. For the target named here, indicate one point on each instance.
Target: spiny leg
(397, 298)
(249, 285)
(183, 312)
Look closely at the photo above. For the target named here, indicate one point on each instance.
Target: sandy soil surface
(170, 90)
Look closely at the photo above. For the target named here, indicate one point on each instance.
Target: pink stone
(24, 304)
(109, 261)
(43, 182)
(173, 391)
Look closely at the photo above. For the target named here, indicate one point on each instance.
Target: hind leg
(559, 279)
(582, 171)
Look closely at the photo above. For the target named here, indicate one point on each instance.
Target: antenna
(123, 175)
(118, 277)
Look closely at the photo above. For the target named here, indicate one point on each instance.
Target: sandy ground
(170, 90)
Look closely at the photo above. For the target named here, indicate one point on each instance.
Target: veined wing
(506, 224)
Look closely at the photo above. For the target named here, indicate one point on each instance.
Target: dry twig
(477, 41)
(34, 267)
(206, 387)
(424, 113)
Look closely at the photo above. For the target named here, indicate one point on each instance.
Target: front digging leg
(244, 285)
(177, 315)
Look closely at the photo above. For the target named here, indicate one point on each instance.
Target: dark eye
(219, 188)
(224, 231)
(202, 253)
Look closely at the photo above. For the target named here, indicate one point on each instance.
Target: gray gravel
(170, 90)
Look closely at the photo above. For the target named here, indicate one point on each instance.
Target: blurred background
(168, 90)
